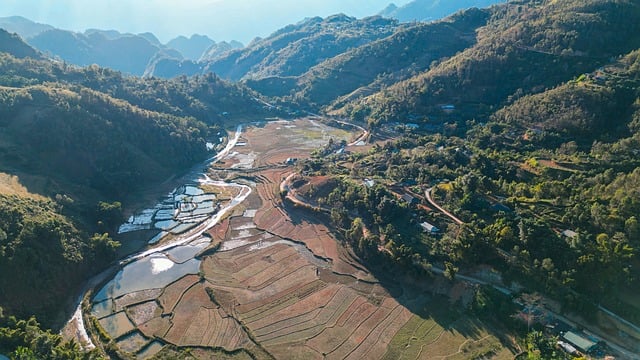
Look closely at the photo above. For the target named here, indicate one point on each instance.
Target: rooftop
(583, 344)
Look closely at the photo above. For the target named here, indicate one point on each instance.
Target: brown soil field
(281, 286)
(156, 327)
(172, 293)
(143, 312)
(186, 312)
(135, 298)
(219, 231)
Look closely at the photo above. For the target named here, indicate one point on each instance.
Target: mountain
(167, 67)
(22, 26)
(151, 38)
(525, 48)
(429, 10)
(368, 68)
(13, 44)
(293, 49)
(389, 10)
(127, 53)
(108, 34)
(191, 48)
(218, 49)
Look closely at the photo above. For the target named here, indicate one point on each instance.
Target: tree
(104, 247)
(109, 214)
(631, 227)
(450, 270)
(541, 347)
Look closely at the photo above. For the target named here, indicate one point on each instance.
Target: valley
(363, 188)
(267, 278)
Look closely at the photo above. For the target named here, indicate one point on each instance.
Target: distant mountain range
(290, 51)
(129, 53)
(11, 43)
(191, 48)
(429, 10)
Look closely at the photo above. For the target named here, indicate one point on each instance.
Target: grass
(443, 333)
(10, 185)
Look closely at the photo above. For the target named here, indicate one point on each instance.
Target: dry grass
(10, 185)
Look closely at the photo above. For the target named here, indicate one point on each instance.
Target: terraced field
(278, 284)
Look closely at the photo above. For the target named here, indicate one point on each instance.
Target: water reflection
(145, 274)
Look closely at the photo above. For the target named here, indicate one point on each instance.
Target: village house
(429, 228)
(579, 342)
(408, 199)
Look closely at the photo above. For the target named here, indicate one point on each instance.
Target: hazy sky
(219, 19)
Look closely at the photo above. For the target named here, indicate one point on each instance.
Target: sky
(227, 20)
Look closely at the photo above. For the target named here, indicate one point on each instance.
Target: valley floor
(274, 282)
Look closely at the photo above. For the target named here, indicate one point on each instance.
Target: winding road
(427, 194)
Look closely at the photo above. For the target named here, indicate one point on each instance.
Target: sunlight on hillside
(10, 185)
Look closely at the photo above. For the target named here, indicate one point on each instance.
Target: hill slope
(525, 48)
(383, 62)
(11, 43)
(82, 139)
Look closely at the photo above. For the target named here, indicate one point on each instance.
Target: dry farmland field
(280, 285)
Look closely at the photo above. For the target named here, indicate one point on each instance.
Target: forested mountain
(293, 49)
(594, 106)
(429, 10)
(524, 48)
(130, 53)
(84, 139)
(368, 68)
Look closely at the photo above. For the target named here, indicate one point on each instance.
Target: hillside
(429, 10)
(11, 43)
(83, 142)
(525, 48)
(218, 49)
(142, 146)
(383, 62)
(293, 49)
(204, 97)
(594, 106)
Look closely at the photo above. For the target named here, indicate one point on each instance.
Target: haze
(240, 20)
